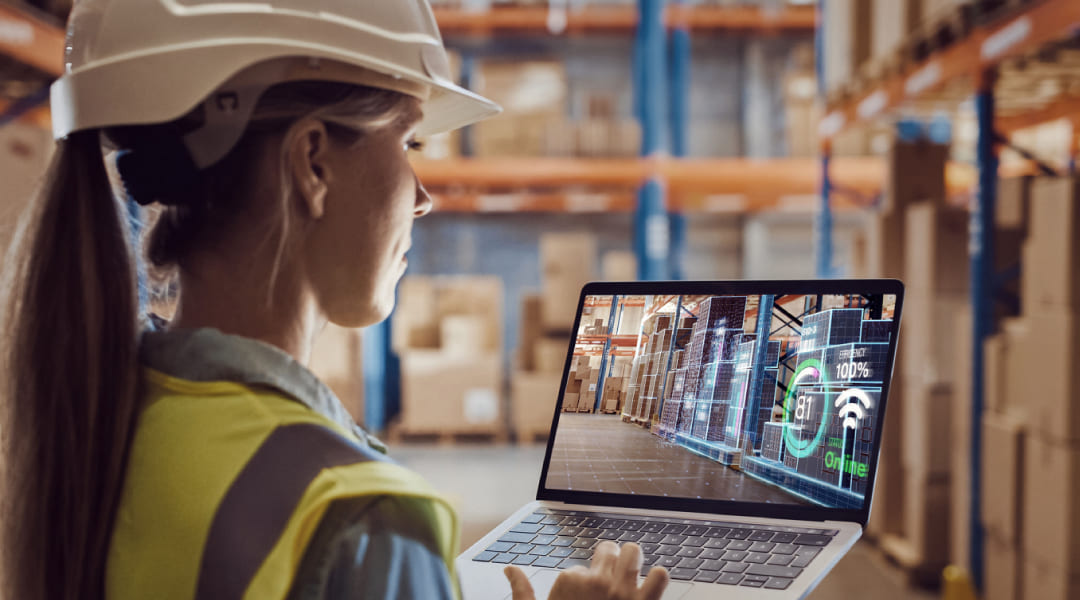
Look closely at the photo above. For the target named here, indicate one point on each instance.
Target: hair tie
(162, 173)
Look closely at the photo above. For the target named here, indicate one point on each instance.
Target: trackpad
(543, 580)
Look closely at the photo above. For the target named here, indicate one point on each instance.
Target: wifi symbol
(851, 412)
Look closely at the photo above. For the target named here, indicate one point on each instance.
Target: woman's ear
(308, 157)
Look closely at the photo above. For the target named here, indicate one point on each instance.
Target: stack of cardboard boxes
(447, 332)
(336, 361)
(1031, 444)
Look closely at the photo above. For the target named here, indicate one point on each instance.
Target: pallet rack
(986, 58)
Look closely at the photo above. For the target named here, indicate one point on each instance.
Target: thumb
(519, 584)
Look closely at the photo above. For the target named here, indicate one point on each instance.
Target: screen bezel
(731, 288)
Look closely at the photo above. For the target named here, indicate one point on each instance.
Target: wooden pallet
(398, 435)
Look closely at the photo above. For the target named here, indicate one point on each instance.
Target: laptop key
(831, 532)
(696, 530)
(504, 558)
(667, 550)
(582, 554)
(552, 520)
(711, 553)
(668, 562)
(688, 552)
(543, 539)
(712, 565)
(500, 547)
(535, 518)
(517, 538)
(777, 584)
(735, 555)
(571, 531)
(533, 528)
(729, 578)
(650, 559)
(749, 581)
(690, 563)
(784, 537)
(774, 571)
(810, 539)
(696, 542)
(674, 529)
(758, 558)
(673, 539)
(631, 536)
(649, 548)
(653, 538)
(760, 536)
(583, 543)
(612, 523)
(652, 527)
(548, 562)
(682, 574)
(784, 549)
(591, 532)
(542, 550)
(550, 530)
(592, 522)
(718, 532)
(609, 534)
(757, 546)
(485, 556)
(563, 540)
(707, 576)
(739, 534)
(572, 521)
(739, 545)
(522, 548)
(632, 525)
(734, 567)
(802, 560)
(719, 544)
(573, 562)
(780, 559)
(561, 552)
(524, 559)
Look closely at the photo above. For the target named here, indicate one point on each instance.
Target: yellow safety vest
(226, 484)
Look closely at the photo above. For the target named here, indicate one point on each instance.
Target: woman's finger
(519, 584)
(654, 585)
(604, 558)
(626, 570)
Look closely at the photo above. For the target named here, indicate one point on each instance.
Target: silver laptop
(731, 429)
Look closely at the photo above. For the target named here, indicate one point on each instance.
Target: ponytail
(71, 381)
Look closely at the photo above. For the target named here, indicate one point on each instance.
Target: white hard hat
(132, 62)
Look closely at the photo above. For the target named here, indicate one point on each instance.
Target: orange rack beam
(31, 40)
(620, 19)
(986, 47)
(39, 117)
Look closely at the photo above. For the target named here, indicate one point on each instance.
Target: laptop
(731, 429)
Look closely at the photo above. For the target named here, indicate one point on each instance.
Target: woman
(203, 460)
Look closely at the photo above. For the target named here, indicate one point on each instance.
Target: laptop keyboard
(761, 556)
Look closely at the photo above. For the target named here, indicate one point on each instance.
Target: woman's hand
(613, 575)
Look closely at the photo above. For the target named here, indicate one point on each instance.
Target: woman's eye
(414, 146)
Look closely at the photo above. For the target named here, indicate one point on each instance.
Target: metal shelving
(978, 65)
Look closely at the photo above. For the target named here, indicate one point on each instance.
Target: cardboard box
(336, 361)
(465, 335)
(926, 518)
(885, 245)
(1051, 523)
(568, 262)
(960, 441)
(937, 248)
(473, 295)
(1051, 262)
(423, 303)
(916, 174)
(1052, 361)
(416, 319)
(887, 515)
(1002, 477)
(893, 21)
(550, 354)
(1020, 355)
(571, 401)
(1013, 203)
(927, 415)
(533, 399)
(1043, 581)
(1002, 569)
(442, 392)
(928, 343)
(530, 329)
(847, 29)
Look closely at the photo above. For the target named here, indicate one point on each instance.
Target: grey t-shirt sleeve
(377, 549)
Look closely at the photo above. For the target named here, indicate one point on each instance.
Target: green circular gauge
(810, 368)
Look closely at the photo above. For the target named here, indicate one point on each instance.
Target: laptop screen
(750, 398)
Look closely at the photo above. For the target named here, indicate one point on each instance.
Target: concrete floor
(600, 453)
(487, 483)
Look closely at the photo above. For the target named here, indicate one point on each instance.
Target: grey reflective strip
(256, 509)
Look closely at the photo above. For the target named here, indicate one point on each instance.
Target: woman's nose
(423, 200)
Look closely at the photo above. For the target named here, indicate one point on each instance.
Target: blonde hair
(70, 355)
